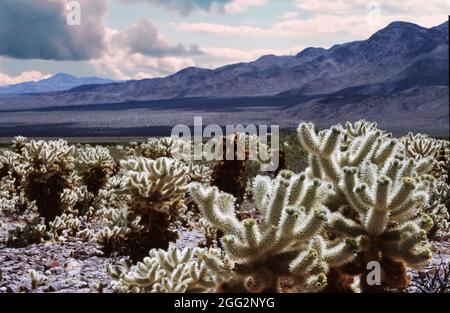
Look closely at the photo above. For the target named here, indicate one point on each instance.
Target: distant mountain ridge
(400, 56)
(58, 82)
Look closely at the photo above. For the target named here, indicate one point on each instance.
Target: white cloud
(289, 15)
(144, 37)
(227, 55)
(348, 19)
(289, 28)
(6, 79)
(122, 63)
(426, 14)
(242, 5)
(185, 7)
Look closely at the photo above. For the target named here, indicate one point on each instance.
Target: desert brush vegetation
(341, 199)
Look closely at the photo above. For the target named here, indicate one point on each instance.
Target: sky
(136, 39)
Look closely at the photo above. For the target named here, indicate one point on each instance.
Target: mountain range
(58, 82)
(395, 73)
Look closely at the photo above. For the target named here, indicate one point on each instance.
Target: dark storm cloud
(144, 38)
(37, 29)
(185, 6)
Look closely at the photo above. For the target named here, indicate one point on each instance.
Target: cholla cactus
(36, 278)
(48, 170)
(65, 226)
(154, 192)
(155, 185)
(108, 197)
(32, 230)
(420, 146)
(284, 243)
(99, 167)
(199, 173)
(358, 129)
(438, 209)
(172, 271)
(77, 201)
(440, 216)
(229, 173)
(10, 168)
(211, 234)
(441, 169)
(19, 143)
(385, 196)
(169, 147)
(118, 231)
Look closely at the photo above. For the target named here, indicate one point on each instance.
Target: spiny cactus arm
(377, 217)
(289, 221)
(217, 208)
(409, 208)
(278, 201)
(314, 167)
(339, 254)
(411, 249)
(345, 226)
(407, 242)
(391, 169)
(385, 151)
(361, 149)
(308, 138)
(262, 186)
(331, 142)
(312, 224)
(308, 267)
(316, 283)
(425, 165)
(296, 189)
(311, 194)
(404, 192)
(407, 168)
(348, 185)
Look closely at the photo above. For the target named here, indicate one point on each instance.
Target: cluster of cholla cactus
(169, 147)
(99, 167)
(342, 199)
(171, 271)
(281, 247)
(48, 169)
(378, 197)
(155, 191)
(418, 147)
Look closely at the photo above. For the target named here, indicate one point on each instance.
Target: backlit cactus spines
(76, 201)
(66, 226)
(99, 167)
(199, 173)
(386, 195)
(155, 185)
(438, 209)
(18, 143)
(11, 168)
(418, 146)
(154, 192)
(171, 271)
(359, 128)
(170, 147)
(32, 231)
(283, 242)
(48, 170)
(366, 159)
